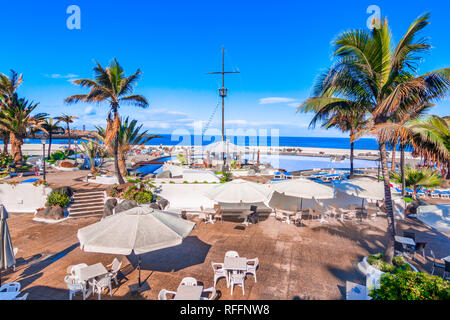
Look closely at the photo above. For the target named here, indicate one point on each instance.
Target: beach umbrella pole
(139, 270)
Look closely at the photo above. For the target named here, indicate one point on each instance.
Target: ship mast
(223, 91)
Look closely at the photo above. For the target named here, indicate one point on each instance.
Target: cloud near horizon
(274, 100)
(61, 76)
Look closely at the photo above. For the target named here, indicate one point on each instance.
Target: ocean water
(306, 142)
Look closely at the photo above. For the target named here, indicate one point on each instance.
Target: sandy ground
(296, 262)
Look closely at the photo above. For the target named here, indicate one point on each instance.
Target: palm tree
(15, 117)
(51, 127)
(419, 178)
(370, 70)
(129, 136)
(396, 132)
(348, 117)
(112, 86)
(92, 150)
(67, 120)
(8, 86)
(431, 136)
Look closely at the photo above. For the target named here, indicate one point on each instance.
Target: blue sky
(278, 46)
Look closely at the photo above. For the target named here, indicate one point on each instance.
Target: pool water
(153, 168)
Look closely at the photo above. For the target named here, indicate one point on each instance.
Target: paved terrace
(309, 262)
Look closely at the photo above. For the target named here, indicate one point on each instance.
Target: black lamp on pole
(43, 142)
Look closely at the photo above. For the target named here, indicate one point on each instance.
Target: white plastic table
(404, 240)
(188, 293)
(9, 295)
(355, 291)
(238, 264)
(92, 271)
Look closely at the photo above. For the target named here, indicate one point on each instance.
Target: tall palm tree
(112, 86)
(67, 120)
(370, 70)
(348, 117)
(8, 86)
(15, 117)
(129, 136)
(51, 127)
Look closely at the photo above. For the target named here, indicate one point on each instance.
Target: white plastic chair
(202, 215)
(188, 281)
(15, 250)
(115, 268)
(24, 297)
(219, 272)
(162, 295)
(238, 279)
(75, 286)
(101, 284)
(209, 291)
(232, 254)
(10, 287)
(75, 271)
(252, 265)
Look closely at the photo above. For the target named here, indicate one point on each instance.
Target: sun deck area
(311, 262)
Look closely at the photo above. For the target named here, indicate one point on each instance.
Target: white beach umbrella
(364, 188)
(139, 230)
(436, 216)
(6, 249)
(223, 147)
(239, 191)
(303, 188)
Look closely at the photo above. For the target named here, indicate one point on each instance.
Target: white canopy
(239, 191)
(437, 216)
(224, 147)
(141, 229)
(364, 188)
(303, 188)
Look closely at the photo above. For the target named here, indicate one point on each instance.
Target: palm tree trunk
(394, 148)
(402, 169)
(5, 143)
(122, 164)
(116, 160)
(68, 132)
(49, 144)
(448, 171)
(389, 254)
(16, 148)
(352, 156)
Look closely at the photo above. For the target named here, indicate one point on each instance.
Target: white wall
(24, 197)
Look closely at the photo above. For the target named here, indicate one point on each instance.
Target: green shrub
(205, 181)
(398, 263)
(113, 191)
(408, 285)
(172, 182)
(185, 182)
(195, 181)
(5, 160)
(144, 196)
(58, 155)
(58, 199)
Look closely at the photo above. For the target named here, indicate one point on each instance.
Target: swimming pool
(153, 168)
(286, 162)
(299, 163)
